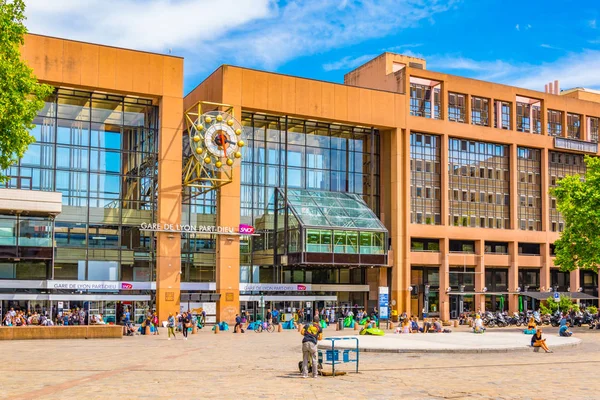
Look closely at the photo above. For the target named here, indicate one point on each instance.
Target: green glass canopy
(332, 210)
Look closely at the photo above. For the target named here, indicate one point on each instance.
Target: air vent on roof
(415, 65)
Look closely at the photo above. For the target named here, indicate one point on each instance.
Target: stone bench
(61, 332)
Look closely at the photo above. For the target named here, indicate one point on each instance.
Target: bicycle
(264, 326)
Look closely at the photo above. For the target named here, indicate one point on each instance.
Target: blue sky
(522, 43)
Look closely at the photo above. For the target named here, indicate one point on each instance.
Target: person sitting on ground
(538, 341)
(531, 324)
(414, 325)
(406, 326)
(437, 326)
(478, 326)
(426, 326)
(564, 330)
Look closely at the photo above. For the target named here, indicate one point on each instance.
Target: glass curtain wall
(425, 183)
(530, 189)
(561, 165)
(100, 152)
(287, 153)
(479, 190)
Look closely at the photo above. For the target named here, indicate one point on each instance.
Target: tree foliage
(21, 95)
(579, 203)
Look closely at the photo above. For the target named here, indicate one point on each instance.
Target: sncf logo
(246, 229)
(126, 286)
(301, 287)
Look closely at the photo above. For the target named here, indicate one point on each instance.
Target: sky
(516, 42)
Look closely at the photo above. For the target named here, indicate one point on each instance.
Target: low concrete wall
(61, 332)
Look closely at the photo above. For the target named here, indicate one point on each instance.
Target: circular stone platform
(455, 342)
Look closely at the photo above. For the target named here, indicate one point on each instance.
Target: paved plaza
(264, 365)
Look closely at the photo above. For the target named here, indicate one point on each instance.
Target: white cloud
(517, 27)
(592, 23)
(254, 33)
(572, 70)
(348, 62)
(402, 47)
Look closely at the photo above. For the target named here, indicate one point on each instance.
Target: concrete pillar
(400, 201)
(513, 276)
(575, 281)
(544, 117)
(468, 109)
(479, 275)
(583, 128)
(444, 298)
(563, 122)
(545, 281)
(168, 252)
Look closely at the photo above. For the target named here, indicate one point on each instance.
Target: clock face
(216, 140)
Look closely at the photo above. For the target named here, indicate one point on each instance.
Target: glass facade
(561, 165)
(478, 191)
(457, 107)
(555, 127)
(529, 189)
(480, 111)
(100, 152)
(291, 154)
(425, 182)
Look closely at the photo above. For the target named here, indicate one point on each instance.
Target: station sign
(274, 287)
(240, 230)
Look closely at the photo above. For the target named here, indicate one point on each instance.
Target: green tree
(579, 203)
(21, 95)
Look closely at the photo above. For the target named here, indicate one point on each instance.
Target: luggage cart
(332, 356)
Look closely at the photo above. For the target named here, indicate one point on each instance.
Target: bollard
(355, 325)
(147, 330)
(278, 327)
(194, 330)
(216, 329)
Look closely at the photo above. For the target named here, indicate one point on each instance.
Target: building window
(480, 111)
(593, 125)
(574, 126)
(523, 117)
(529, 188)
(554, 123)
(561, 165)
(489, 163)
(502, 114)
(456, 107)
(425, 101)
(425, 149)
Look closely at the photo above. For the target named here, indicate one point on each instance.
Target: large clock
(216, 140)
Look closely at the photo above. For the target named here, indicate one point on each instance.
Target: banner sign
(274, 287)
(241, 230)
(384, 303)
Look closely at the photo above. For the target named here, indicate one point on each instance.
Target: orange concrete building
(430, 187)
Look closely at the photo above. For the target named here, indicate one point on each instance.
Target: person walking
(171, 326)
(311, 333)
(155, 323)
(186, 322)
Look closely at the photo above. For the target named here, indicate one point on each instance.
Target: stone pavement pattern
(251, 365)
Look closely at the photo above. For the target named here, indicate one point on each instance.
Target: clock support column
(228, 250)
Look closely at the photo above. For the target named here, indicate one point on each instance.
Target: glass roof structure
(332, 210)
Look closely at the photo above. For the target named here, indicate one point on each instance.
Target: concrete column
(513, 115)
(514, 187)
(544, 117)
(513, 276)
(444, 181)
(563, 122)
(444, 298)
(479, 275)
(400, 201)
(575, 281)
(531, 118)
(583, 128)
(545, 271)
(468, 109)
(498, 114)
(168, 252)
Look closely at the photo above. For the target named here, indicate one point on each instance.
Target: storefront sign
(241, 230)
(274, 287)
(383, 303)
